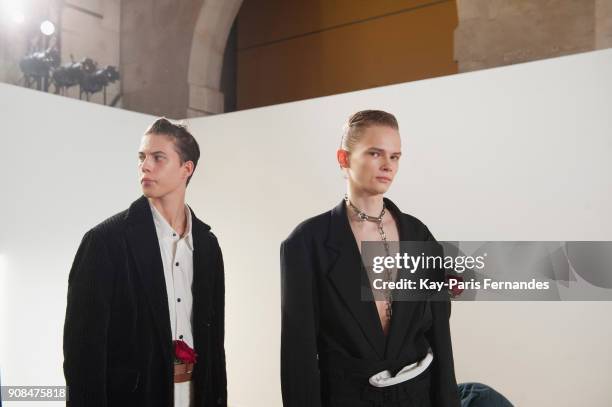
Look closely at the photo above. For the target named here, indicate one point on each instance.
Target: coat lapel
(403, 311)
(144, 246)
(346, 275)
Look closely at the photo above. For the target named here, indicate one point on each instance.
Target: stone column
(206, 59)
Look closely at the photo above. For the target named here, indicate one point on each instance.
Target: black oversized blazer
(117, 336)
(323, 315)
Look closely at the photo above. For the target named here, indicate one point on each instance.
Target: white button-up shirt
(177, 258)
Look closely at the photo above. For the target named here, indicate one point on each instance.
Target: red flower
(183, 353)
(455, 290)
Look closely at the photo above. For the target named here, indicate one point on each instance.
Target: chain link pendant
(363, 217)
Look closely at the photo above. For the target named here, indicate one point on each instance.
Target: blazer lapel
(347, 273)
(144, 246)
(402, 311)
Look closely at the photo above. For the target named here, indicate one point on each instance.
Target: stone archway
(206, 59)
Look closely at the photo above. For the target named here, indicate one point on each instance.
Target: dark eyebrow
(153, 153)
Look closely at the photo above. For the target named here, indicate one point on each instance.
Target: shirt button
(178, 299)
(180, 336)
(176, 264)
(174, 235)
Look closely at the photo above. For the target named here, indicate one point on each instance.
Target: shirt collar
(165, 231)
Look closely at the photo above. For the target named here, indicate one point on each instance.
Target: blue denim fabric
(481, 395)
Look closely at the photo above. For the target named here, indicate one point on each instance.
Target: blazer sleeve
(220, 377)
(90, 286)
(300, 379)
(444, 391)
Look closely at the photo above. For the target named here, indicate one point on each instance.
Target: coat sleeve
(444, 391)
(220, 377)
(90, 286)
(300, 378)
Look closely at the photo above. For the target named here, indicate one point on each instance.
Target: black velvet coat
(117, 336)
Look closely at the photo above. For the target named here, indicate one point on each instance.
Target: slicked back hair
(362, 120)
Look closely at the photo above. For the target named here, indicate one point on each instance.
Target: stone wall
(603, 24)
(85, 28)
(171, 52)
(12, 47)
(90, 28)
(155, 48)
(501, 32)
(172, 55)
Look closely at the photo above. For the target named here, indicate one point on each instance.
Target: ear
(343, 158)
(189, 167)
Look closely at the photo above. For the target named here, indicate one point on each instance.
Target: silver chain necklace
(379, 221)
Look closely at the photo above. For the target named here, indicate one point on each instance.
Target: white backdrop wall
(66, 165)
(513, 153)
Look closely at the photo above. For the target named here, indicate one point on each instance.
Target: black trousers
(344, 383)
